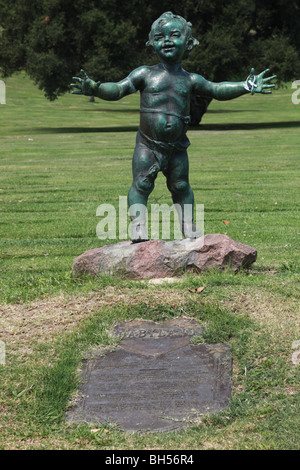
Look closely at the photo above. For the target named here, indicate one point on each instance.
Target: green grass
(38, 392)
(59, 161)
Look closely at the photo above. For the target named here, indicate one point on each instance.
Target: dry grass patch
(23, 325)
(26, 327)
(42, 320)
(279, 314)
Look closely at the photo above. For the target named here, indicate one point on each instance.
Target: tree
(53, 39)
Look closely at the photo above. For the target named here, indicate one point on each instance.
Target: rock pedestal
(159, 258)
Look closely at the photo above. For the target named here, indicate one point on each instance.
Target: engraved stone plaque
(155, 380)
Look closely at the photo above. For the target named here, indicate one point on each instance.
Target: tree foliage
(53, 39)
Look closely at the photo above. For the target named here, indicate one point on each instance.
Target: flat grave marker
(155, 379)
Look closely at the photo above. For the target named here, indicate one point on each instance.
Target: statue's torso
(165, 104)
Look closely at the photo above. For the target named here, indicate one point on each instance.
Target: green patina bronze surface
(165, 91)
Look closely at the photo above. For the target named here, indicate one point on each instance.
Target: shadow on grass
(82, 130)
(247, 126)
(204, 127)
(229, 111)
(112, 110)
(136, 110)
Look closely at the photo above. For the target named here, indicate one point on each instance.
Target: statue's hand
(257, 83)
(85, 86)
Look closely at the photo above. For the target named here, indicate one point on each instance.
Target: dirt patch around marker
(40, 321)
(23, 325)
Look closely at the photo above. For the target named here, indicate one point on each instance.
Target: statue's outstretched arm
(229, 90)
(109, 91)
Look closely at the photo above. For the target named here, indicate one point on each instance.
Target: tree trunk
(199, 105)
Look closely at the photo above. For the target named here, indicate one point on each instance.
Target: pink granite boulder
(159, 258)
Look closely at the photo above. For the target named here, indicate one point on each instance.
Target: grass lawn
(58, 162)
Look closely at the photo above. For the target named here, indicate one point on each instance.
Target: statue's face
(169, 41)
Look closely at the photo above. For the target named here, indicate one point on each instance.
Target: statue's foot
(190, 231)
(140, 240)
(197, 234)
(139, 233)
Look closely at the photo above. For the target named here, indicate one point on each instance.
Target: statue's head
(173, 26)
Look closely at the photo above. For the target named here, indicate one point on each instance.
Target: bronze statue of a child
(165, 91)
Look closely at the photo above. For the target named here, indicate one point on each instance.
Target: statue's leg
(182, 193)
(144, 171)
